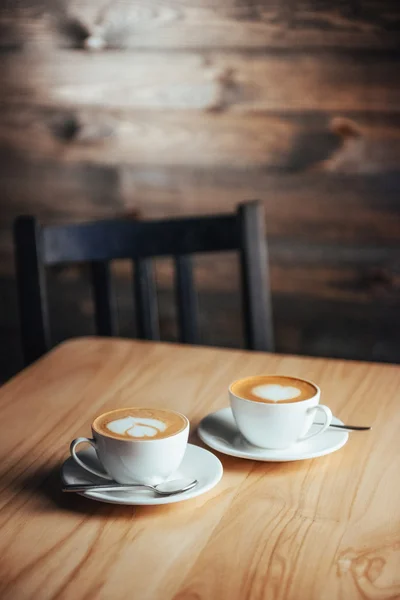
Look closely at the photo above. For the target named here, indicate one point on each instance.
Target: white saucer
(197, 463)
(219, 431)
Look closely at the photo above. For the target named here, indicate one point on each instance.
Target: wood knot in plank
(227, 90)
(72, 128)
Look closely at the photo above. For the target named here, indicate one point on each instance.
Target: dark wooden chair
(97, 243)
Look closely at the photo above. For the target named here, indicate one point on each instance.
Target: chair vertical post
(104, 300)
(32, 292)
(256, 292)
(186, 298)
(146, 300)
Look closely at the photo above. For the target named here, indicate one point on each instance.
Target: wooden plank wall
(191, 106)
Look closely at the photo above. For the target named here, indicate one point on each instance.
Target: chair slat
(107, 240)
(256, 295)
(104, 299)
(32, 292)
(146, 300)
(186, 300)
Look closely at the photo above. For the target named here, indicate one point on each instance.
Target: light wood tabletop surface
(318, 529)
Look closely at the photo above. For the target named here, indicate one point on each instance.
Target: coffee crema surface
(140, 423)
(272, 389)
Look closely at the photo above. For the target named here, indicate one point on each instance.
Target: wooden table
(318, 529)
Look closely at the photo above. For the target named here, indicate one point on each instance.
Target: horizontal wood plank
(335, 273)
(146, 138)
(179, 24)
(289, 143)
(203, 81)
(55, 190)
(311, 207)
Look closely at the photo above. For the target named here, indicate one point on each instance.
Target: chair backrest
(98, 243)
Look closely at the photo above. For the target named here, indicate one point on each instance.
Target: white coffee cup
(148, 461)
(278, 425)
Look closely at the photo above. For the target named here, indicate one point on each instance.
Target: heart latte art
(137, 427)
(272, 389)
(276, 392)
(140, 423)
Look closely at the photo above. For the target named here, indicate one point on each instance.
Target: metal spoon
(166, 488)
(348, 427)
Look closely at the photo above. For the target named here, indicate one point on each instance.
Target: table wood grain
(318, 529)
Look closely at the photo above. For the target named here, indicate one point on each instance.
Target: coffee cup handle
(328, 420)
(80, 462)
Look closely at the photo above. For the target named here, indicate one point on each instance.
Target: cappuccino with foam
(136, 445)
(276, 411)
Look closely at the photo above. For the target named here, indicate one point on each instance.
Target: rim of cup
(317, 388)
